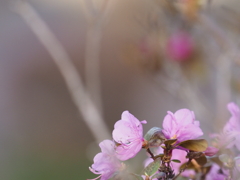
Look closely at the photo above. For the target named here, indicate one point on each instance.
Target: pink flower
(181, 125)
(128, 132)
(223, 140)
(180, 46)
(105, 163)
(232, 127)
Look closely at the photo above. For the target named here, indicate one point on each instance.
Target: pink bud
(211, 151)
(180, 46)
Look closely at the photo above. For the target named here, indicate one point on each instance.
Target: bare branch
(74, 83)
(96, 22)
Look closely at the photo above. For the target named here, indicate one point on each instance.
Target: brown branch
(151, 154)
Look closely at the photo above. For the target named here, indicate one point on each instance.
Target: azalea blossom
(128, 133)
(181, 125)
(105, 162)
(224, 139)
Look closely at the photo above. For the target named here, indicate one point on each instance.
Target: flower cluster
(127, 142)
(174, 150)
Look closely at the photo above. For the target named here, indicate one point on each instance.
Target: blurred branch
(74, 83)
(96, 21)
(223, 68)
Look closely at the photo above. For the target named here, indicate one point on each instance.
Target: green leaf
(152, 167)
(170, 142)
(159, 175)
(190, 166)
(159, 156)
(176, 160)
(202, 160)
(198, 145)
(163, 147)
(155, 137)
(194, 155)
(137, 176)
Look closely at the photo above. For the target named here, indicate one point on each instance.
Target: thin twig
(74, 83)
(151, 154)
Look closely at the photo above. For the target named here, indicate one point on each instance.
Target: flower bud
(154, 137)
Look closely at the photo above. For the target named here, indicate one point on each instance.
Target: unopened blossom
(128, 133)
(232, 127)
(180, 46)
(181, 125)
(211, 151)
(105, 162)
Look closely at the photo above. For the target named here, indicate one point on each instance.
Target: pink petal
(125, 152)
(107, 146)
(180, 155)
(233, 108)
(169, 125)
(122, 132)
(189, 132)
(211, 151)
(126, 116)
(184, 116)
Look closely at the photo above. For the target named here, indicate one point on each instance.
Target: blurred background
(153, 57)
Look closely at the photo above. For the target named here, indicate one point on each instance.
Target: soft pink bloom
(232, 127)
(181, 125)
(106, 163)
(214, 173)
(128, 132)
(223, 140)
(180, 46)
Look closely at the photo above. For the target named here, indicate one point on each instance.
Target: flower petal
(107, 146)
(125, 152)
(169, 125)
(184, 116)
